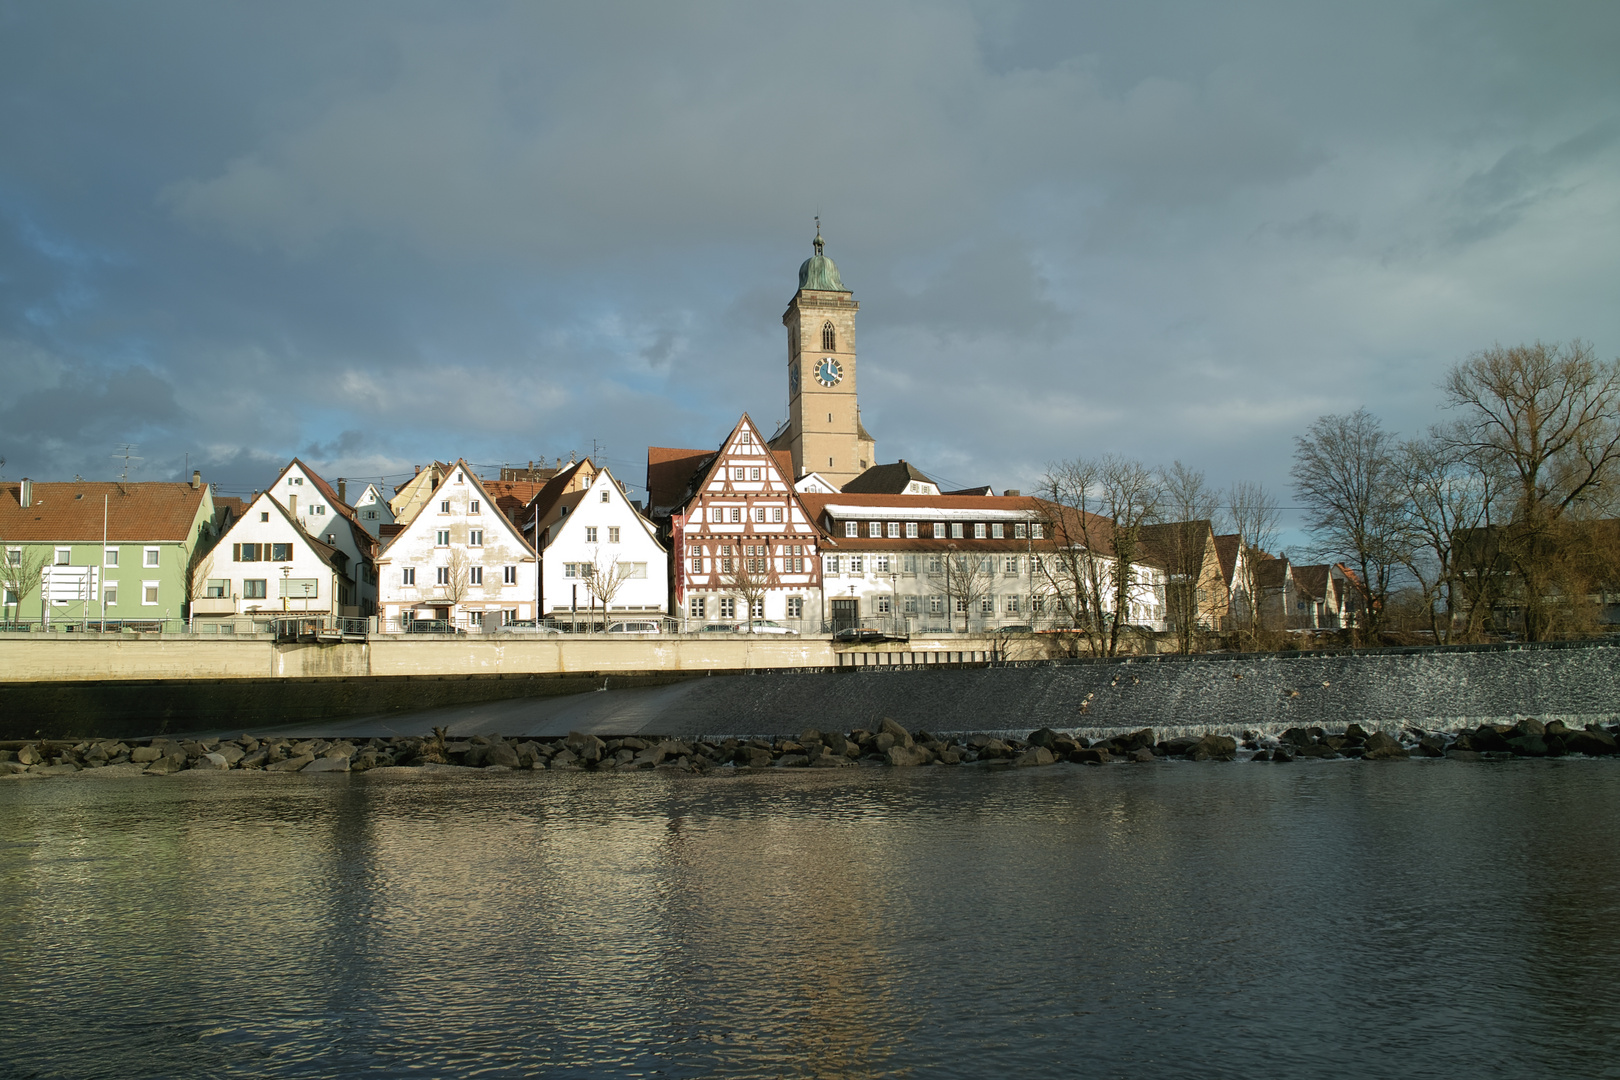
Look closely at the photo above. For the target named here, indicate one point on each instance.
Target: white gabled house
(321, 513)
(599, 557)
(458, 561)
(372, 511)
(266, 565)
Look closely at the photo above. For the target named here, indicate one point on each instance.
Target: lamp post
(286, 572)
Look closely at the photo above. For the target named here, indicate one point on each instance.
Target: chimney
(1012, 493)
(196, 479)
(418, 469)
(343, 490)
(25, 493)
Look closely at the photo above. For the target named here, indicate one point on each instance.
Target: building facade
(741, 544)
(322, 513)
(600, 559)
(266, 565)
(458, 564)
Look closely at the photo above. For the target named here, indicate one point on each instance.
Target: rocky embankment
(889, 745)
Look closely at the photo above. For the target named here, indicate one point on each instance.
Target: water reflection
(1332, 920)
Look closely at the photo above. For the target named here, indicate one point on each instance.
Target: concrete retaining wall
(1447, 687)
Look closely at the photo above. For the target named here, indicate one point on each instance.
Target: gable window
(472, 507)
(776, 513)
(476, 537)
(475, 575)
(109, 557)
(716, 514)
(508, 575)
(852, 528)
(737, 474)
(407, 575)
(442, 575)
(371, 515)
(299, 480)
(978, 530)
(613, 534)
(829, 337)
(444, 507)
(911, 530)
(319, 508)
(605, 495)
(759, 514)
(736, 513)
(264, 515)
(442, 538)
(590, 534)
(753, 474)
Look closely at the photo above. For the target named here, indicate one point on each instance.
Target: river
(1328, 919)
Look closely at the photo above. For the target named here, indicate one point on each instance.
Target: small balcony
(213, 605)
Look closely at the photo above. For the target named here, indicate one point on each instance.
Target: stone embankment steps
(889, 745)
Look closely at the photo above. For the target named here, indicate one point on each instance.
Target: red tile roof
(669, 476)
(72, 512)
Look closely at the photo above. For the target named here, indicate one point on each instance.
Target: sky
(375, 234)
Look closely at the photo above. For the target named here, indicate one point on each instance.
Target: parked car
(1018, 629)
(864, 634)
(763, 626)
(718, 628)
(636, 626)
(528, 626)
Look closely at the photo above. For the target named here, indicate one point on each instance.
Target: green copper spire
(818, 271)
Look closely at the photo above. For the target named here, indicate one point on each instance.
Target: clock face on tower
(828, 373)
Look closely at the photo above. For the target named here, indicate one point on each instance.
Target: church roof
(819, 272)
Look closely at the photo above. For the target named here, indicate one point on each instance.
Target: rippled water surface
(1421, 919)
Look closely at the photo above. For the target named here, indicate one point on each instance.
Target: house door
(846, 615)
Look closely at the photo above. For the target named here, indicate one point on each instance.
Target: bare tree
(965, 579)
(1449, 507)
(457, 585)
(604, 579)
(198, 566)
(21, 571)
(1344, 472)
(1183, 543)
(1547, 419)
(1254, 518)
(1100, 509)
(750, 580)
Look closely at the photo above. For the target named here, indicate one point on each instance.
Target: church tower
(824, 431)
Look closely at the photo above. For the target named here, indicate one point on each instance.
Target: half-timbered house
(741, 545)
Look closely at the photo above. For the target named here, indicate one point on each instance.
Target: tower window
(829, 337)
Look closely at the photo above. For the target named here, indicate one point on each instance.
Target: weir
(1577, 682)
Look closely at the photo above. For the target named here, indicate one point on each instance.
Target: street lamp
(286, 571)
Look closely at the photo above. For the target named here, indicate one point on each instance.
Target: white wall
(450, 510)
(304, 501)
(568, 542)
(304, 565)
(372, 510)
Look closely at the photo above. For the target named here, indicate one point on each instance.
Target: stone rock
(902, 737)
(1035, 755)
(995, 748)
(1297, 737)
(1281, 755)
(1593, 742)
(1527, 727)
(792, 761)
(1043, 737)
(587, 748)
(500, 752)
(1261, 755)
(564, 759)
(168, 763)
(1528, 746)
(1555, 746)
(326, 764)
(1220, 747)
(830, 760)
(1182, 746)
(633, 743)
(900, 757)
(141, 755)
(1556, 727)
(752, 757)
(809, 737)
(292, 764)
(950, 756)
(255, 760)
(214, 761)
(1355, 733)
(1429, 746)
(1381, 747)
(10, 768)
(881, 744)
(65, 769)
(231, 752)
(1488, 738)
(835, 741)
(1092, 755)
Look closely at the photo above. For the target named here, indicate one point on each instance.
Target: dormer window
(604, 494)
(829, 337)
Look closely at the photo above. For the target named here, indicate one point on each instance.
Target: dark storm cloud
(375, 234)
